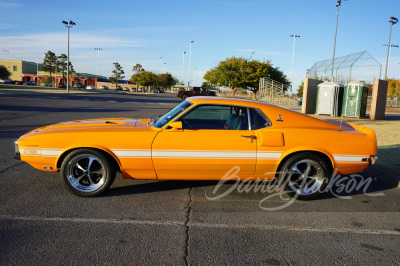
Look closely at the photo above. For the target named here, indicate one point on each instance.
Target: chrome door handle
(251, 137)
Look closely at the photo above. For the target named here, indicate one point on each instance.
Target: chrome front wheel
(87, 172)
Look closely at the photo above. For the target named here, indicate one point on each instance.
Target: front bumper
(17, 155)
(373, 160)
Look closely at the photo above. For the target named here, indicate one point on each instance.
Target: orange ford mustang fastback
(202, 138)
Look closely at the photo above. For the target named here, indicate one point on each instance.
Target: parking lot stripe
(196, 224)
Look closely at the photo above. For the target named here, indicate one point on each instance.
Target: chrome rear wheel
(306, 175)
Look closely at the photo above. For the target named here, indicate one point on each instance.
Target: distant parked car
(133, 89)
(103, 87)
(19, 83)
(30, 83)
(90, 87)
(125, 89)
(158, 90)
(62, 85)
(119, 88)
(46, 85)
(79, 85)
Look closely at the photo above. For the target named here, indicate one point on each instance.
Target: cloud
(8, 4)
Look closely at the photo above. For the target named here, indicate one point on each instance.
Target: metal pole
(161, 66)
(183, 63)
(98, 55)
(68, 64)
(190, 59)
(334, 44)
(387, 57)
(392, 21)
(291, 75)
(194, 76)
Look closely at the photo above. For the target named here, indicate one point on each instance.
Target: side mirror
(175, 126)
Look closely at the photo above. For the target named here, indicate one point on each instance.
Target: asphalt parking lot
(176, 222)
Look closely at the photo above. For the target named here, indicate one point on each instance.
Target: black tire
(184, 97)
(87, 172)
(305, 176)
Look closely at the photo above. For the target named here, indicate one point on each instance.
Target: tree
(165, 80)
(300, 90)
(62, 65)
(243, 74)
(393, 89)
(144, 78)
(4, 73)
(138, 68)
(117, 74)
(49, 62)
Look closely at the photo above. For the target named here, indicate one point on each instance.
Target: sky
(132, 32)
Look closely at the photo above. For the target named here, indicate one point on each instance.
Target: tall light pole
(190, 59)
(194, 76)
(334, 44)
(98, 54)
(165, 66)
(161, 66)
(183, 63)
(392, 21)
(388, 61)
(68, 25)
(291, 75)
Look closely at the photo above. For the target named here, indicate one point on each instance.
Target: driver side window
(216, 117)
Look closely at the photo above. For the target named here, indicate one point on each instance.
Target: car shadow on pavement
(343, 186)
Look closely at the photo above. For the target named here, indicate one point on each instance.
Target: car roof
(229, 101)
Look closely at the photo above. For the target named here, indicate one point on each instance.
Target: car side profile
(202, 138)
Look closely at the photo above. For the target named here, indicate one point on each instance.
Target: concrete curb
(388, 177)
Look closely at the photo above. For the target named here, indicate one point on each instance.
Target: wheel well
(323, 156)
(109, 156)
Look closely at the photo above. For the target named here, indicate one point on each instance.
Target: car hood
(102, 124)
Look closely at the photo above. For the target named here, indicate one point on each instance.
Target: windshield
(162, 121)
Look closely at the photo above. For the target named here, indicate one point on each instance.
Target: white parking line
(197, 224)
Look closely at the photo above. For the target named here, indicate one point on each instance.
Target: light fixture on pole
(68, 25)
(392, 21)
(334, 44)
(291, 75)
(183, 63)
(190, 58)
(388, 61)
(98, 54)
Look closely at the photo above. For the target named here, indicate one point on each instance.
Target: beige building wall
(19, 67)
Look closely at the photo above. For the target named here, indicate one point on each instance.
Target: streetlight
(392, 21)
(334, 44)
(390, 51)
(291, 75)
(68, 25)
(190, 58)
(98, 54)
(183, 63)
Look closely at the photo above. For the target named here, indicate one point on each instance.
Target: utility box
(329, 99)
(355, 99)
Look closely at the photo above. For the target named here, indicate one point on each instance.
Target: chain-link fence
(358, 66)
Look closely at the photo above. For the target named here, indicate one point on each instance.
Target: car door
(215, 142)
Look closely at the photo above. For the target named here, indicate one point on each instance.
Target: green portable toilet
(329, 98)
(355, 99)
